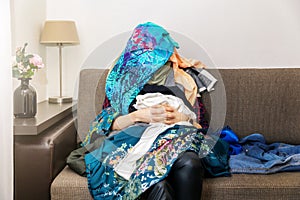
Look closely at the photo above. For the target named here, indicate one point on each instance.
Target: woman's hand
(160, 113)
(173, 116)
(156, 114)
(153, 114)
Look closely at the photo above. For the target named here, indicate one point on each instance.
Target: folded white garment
(151, 99)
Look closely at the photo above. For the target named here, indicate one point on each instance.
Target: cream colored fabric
(181, 77)
(160, 76)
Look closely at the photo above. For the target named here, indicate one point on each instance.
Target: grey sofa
(264, 101)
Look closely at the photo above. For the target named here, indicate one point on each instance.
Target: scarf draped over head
(148, 49)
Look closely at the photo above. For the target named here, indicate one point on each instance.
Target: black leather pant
(183, 183)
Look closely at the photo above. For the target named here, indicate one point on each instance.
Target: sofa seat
(253, 186)
(70, 186)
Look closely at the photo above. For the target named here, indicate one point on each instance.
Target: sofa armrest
(39, 159)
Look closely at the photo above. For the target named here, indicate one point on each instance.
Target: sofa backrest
(90, 98)
(265, 101)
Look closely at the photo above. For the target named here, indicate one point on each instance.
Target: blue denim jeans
(259, 157)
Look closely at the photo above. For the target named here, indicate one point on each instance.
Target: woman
(153, 134)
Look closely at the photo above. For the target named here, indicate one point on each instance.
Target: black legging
(183, 183)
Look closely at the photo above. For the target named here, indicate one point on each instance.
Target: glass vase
(25, 102)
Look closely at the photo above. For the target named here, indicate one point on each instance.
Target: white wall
(6, 114)
(27, 20)
(249, 33)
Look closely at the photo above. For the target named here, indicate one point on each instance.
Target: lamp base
(60, 99)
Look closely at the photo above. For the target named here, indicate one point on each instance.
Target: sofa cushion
(265, 101)
(70, 186)
(249, 186)
(90, 98)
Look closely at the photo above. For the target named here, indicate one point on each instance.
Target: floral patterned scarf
(149, 48)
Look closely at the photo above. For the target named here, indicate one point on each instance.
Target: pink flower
(25, 65)
(37, 61)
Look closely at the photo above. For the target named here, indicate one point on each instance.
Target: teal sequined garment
(149, 48)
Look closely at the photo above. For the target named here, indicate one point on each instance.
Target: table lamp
(59, 33)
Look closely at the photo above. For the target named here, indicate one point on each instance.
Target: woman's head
(149, 48)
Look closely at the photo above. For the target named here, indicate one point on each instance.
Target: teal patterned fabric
(105, 183)
(149, 48)
(101, 124)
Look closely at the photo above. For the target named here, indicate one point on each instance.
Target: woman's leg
(186, 177)
(159, 191)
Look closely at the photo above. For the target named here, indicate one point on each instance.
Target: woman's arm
(159, 113)
(153, 114)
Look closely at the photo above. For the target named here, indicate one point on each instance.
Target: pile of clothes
(253, 155)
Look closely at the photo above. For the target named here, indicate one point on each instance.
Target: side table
(41, 145)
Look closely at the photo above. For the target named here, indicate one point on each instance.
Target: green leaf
(30, 73)
(15, 73)
(32, 66)
(18, 59)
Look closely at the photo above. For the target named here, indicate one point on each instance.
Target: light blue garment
(261, 158)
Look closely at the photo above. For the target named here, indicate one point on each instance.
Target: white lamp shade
(59, 32)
